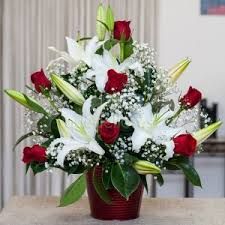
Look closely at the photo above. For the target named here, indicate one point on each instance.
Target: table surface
(155, 211)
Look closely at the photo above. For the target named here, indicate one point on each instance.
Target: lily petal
(75, 50)
(139, 137)
(95, 147)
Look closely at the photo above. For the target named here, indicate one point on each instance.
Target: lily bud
(204, 133)
(68, 90)
(63, 130)
(26, 101)
(109, 18)
(100, 28)
(145, 167)
(178, 69)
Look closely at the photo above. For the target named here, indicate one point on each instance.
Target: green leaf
(48, 125)
(188, 170)
(159, 179)
(191, 174)
(74, 192)
(34, 105)
(100, 189)
(128, 49)
(47, 143)
(22, 138)
(125, 179)
(106, 178)
(109, 44)
(125, 130)
(130, 159)
(84, 39)
(27, 167)
(37, 167)
(104, 24)
(144, 182)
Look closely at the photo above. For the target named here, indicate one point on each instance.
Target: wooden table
(43, 211)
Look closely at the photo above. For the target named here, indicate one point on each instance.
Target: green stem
(48, 96)
(170, 120)
(121, 51)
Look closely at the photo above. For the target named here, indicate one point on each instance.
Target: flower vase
(120, 208)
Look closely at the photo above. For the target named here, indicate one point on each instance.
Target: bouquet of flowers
(106, 104)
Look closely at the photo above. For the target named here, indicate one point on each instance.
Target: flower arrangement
(105, 103)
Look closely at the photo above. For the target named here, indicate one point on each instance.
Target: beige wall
(182, 32)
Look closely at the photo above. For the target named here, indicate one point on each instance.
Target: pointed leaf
(144, 182)
(125, 179)
(34, 105)
(22, 138)
(106, 178)
(74, 192)
(100, 189)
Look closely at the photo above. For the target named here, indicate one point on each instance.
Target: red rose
(192, 98)
(122, 30)
(185, 145)
(40, 80)
(116, 81)
(34, 154)
(109, 132)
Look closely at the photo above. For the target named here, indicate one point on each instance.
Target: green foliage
(37, 167)
(91, 91)
(106, 177)
(100, 189)
(74, 192)
(144, 182)
(22, 138)
(76, 169)
(190, 173)
(109, 44)
(125, 179)
(159, 179)
(128, 48)
(34, 105)
(125, 130)
(130, 159)
(47, 125)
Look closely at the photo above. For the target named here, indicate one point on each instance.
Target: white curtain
(27, 28)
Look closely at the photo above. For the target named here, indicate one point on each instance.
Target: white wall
(182, 32)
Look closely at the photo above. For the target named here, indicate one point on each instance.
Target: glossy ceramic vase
(120, 208)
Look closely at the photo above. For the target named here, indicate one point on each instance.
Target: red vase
(120, 208)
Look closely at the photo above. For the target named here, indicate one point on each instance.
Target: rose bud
(40, 80)
(35, 153)
(185, 144)
(109, 132)
(116, 81)
(122, 30)
(192, 98)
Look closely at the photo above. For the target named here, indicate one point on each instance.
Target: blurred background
(175, 28)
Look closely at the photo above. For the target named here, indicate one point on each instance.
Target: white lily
(77, 53)
(149, 126)
(82, 131)
(102, 64)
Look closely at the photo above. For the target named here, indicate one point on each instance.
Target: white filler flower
(81, 131)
